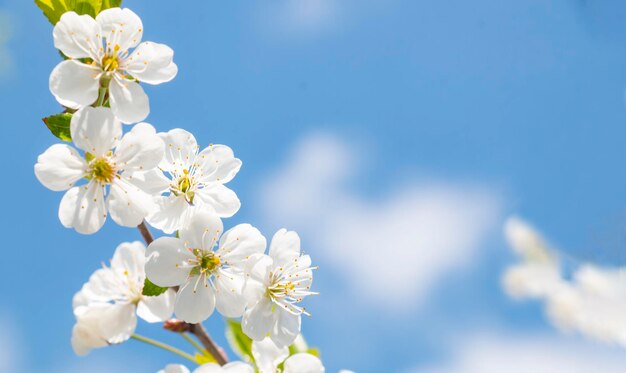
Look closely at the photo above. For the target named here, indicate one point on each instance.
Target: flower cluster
(167, 180)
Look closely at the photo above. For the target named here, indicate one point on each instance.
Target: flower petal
(157, 309)
(180, 149)
(229, 293)
(194, 303)
(219, 199)
(120, 27)
(166, 261)
(102, 287)
(234, 367)
(75, 84)
(257, 270)
(140, 149)
(239, 243)
(285, 247)
(267, 355)
(59, 167)
(82, 208)
(172, 213)
(218, 163)
(152, 181)
(286, 328)
(303, 363)
(152, 63)
(127, 204)
(174, 368)
(202, 231)
(258, 319)
(95, 130)
(129, 260)
(103, 324)
(128, 100)
(77, 36)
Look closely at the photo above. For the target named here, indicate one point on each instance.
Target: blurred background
(394, 135)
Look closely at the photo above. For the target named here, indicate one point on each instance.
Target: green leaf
(152, 290)
(240, 343)
(54, 9)
(59, 125)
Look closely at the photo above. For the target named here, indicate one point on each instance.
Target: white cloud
(519, 353)
(392, 251)
(10, 345)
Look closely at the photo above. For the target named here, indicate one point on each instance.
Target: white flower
(207, 278)
(277, 284)
(234, 367)
(128, 172)
(99, 56)
(107, 306)
(268, 357)
(196, 179)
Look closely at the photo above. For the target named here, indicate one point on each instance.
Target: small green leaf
(240, 343)
(54, 9)
(204, 358)
(152, 290)
(59, 125)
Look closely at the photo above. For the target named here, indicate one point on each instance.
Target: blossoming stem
(163, 346)
(203, 336)
(101, 95)
(193, 343)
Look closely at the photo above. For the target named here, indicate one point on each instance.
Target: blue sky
(395, 136)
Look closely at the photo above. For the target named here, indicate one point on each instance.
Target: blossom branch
(145, 233)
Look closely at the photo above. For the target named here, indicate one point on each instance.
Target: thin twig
(163, 346)
(145, 233)
(200, 332)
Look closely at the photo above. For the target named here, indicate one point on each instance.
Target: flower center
(110, 62)
(206, 262)
(101, 170)
(184, 187)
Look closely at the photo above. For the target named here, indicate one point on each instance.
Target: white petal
(103, 287)
(258, 319)
(219, 164)
(267, 355)
(120, 27)
(82, 208)
(286, 328)
(285, 247)
(77, 36)
(140, 149)
(194, 304)
(59, 167)
(236, 367)
(228, 293)
(95, 130)
(219, 199)
(129, 260)
(174, 368)
(127, 204)
(166, 261)
(258, 269)
(180, 149)
(239, 243)
(152, 182)
(152, 63)
(171, 214)
(303, 363)
(75, 84)
(128, 100)
(202, 232)
(157, 309)
(103, 324)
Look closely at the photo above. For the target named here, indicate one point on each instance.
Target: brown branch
(180, 327)
(203, 336)
(145, 233)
